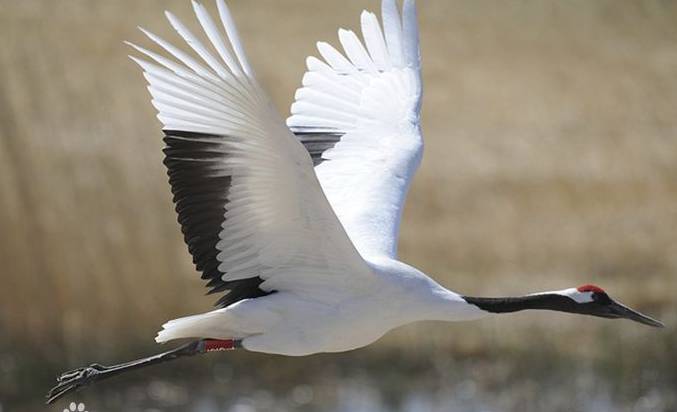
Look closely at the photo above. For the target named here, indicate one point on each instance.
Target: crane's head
(593, 300)
(584, 300)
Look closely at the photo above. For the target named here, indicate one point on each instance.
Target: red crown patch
(590, 288)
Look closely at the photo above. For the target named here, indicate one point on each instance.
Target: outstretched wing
(250, 206)
(359, 119)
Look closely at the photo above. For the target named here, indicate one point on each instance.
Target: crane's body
(295, 224)
(286, 324)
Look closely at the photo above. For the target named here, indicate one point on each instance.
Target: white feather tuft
(392, 26)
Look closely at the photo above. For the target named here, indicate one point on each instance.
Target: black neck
(546, 301)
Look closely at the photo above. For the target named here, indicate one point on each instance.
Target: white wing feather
(278, 224)
(372, 101)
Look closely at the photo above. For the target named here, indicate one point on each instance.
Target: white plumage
(372, 101)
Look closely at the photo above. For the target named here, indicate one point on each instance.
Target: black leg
(75, 379)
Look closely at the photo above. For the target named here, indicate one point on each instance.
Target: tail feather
(211, 325)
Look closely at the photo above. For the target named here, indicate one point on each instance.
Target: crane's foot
(78, 378)
(75, 379)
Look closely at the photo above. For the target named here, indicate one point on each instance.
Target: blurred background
(551, 161)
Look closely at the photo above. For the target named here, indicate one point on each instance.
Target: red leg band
(214, 345)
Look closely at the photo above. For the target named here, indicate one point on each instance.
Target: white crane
(296, 224)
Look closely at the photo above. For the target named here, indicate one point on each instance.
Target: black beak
(617, 310)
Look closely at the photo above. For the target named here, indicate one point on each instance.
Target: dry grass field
(551, 161)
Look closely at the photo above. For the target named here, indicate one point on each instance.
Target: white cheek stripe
(572, 293)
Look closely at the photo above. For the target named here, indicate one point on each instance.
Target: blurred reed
(551, 160)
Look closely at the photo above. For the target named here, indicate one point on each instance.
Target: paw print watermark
(75, 407)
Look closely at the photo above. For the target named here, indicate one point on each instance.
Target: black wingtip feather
(200, 188)
(316, 143)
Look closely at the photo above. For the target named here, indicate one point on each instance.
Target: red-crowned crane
(295, 224)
